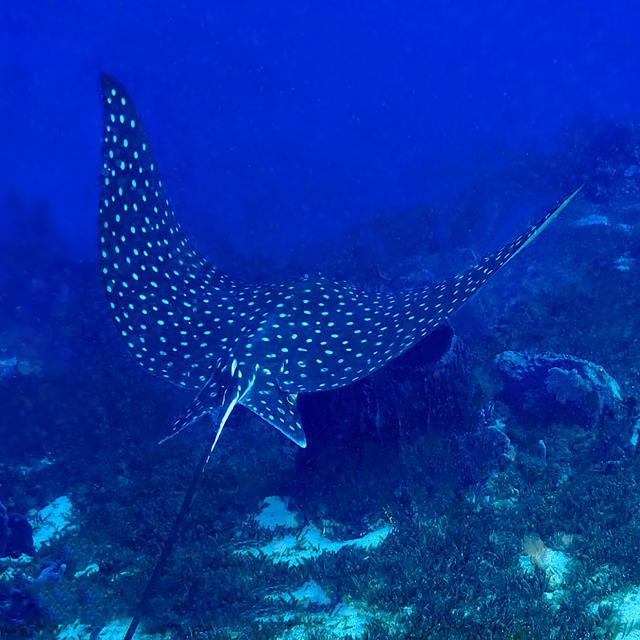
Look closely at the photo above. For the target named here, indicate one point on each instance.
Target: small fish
(232, 343)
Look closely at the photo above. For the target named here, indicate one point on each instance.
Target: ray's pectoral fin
(437, 303)
(200, 406)
(278, 408)
(217, 398)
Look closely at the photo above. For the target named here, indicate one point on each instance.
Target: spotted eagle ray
(234, 343)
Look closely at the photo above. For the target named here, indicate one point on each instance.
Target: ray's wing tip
(109, 84)
(567, 201)
(577, 191)
(106, 82)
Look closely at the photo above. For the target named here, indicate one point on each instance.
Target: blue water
(388, 144)
(274, 124)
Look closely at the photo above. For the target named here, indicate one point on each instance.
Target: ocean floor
(484, 485)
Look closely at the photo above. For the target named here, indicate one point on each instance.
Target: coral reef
(19, 611)
(16, 534)
(483, 485)
(552, 387)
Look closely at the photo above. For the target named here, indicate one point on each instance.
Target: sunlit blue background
(279, 123)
